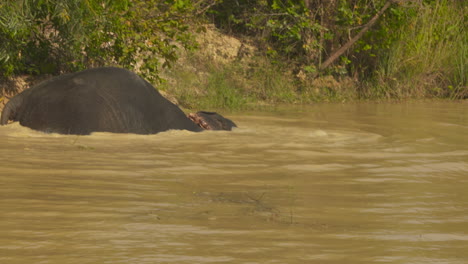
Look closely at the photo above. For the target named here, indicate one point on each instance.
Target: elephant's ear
(10, 109)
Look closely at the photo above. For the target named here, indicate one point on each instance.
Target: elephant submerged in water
(105, 99)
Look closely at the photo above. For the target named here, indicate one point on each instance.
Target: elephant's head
(211, 121)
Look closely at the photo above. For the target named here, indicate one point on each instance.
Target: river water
(352, 183)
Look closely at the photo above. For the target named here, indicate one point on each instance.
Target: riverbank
(232, 73)
(248, 53)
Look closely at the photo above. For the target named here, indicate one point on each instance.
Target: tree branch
(346, 46)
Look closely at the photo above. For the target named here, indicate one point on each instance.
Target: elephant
(106, 99)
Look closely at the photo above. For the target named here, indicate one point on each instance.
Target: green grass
(199, 84)
(234, 86)
(207, 87)
(429, 59)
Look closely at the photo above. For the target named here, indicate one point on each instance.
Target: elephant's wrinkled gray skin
(105, 99)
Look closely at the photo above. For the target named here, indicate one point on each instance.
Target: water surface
(357, 183)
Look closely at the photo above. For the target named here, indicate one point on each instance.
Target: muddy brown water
(358, 183)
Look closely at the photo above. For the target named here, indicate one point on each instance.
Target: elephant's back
(101, 99)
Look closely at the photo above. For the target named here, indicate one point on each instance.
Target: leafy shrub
(57, 36)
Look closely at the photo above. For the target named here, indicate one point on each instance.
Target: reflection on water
(361, 183)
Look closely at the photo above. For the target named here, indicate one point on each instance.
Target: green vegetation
(428, 57)
(57, 36)
(235, 86)
(231, 86)
(415, 49)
